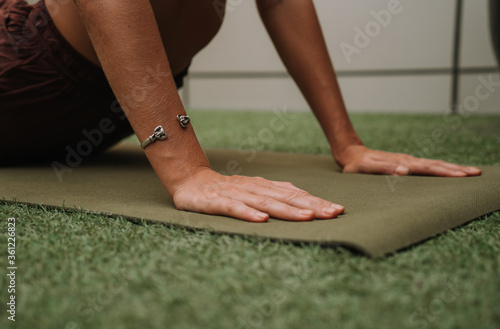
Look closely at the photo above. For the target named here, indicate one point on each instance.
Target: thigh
(51, 98)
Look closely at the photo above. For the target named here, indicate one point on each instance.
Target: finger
(437, 170)
(471, 171)
(302, 199)
(297, 198)
(274, 208)
(426, 169)
(378, 167)
(413, 166)
(430, 167)
(234, 208)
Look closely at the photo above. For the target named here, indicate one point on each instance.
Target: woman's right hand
(253, 199)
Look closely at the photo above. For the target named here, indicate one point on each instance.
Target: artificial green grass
(85, 271)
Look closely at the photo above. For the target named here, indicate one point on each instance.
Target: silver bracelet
(183, 120)
(158, 134)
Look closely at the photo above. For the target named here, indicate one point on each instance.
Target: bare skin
(126, 37)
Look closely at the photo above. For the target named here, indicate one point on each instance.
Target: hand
(254, 199)
(360, 159)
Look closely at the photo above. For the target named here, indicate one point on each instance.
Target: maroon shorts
(53, 101)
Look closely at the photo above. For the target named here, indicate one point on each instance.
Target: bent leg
(51, 98)
(55, 101)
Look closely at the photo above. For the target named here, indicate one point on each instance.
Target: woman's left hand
(360, 159)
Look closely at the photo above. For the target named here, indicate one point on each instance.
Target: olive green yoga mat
(383, 213)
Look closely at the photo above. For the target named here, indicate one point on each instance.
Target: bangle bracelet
(158, 134)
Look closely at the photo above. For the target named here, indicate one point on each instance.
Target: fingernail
(401, 170)
(261, 216)
(305, 212)
(337, 206)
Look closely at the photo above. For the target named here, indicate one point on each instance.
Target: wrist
(177, 158)
(174, 183)
(337, 127)
(173, 173)
(339, 146)
(348, 153)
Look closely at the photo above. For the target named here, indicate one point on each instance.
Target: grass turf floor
(77, 270)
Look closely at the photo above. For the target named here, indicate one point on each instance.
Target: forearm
(294, 28)
(128, 44)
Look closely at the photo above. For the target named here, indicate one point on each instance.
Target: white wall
(419, 37)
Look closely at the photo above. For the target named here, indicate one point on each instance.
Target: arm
(294, 28)
(127, 41)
